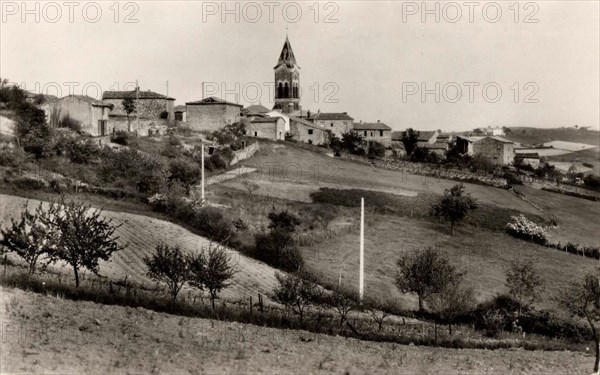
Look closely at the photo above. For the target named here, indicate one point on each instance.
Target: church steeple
(287, 80)
(287, 55)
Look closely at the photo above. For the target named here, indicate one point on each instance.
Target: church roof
(287, 55)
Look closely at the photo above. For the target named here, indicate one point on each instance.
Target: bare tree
(85, 237)
(425, 273)
(170, 266)
(454, 301)
(379, 311)
(524, 282)
(582, 299)
(454, 206)
(343, 302)
(31, 239)
(250, 186)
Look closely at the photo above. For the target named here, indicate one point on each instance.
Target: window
(310, 131)
(332, 124)
(102, 127)
(365, 133)
(280, 90)
(381, 133)
(286, 90)
(256, 134)
(371, 134)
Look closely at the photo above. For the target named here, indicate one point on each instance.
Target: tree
(170, 266)
(129, 106)
(296, 292)
(277, 248)
(425, 273)
(30, 239)
(284, 220)
(454, 206)
(376, 150)
(343, 302)
(454, 301)
(250, 186)
(582, 299)
(211, 272)
(410, 137)
(184, 172)
(379, 311)
(352, 142)
(85, 237)
(32, 131)
(524, 282)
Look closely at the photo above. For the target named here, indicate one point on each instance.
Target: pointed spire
(287, 55)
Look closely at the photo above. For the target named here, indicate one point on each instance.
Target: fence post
(250, 305)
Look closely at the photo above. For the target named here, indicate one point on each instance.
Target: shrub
(525, 229)
(277, 248)
(70, 123)
(30, 183)
(352, 143)
(184, 172)
(588, 165)
(376, 150)
(14, 157)
(120, 137)
(82, 152)
(296, 292)
(217, 162)
(283, 220)
(592, 181)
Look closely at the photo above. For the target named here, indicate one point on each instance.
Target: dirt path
(51, 335)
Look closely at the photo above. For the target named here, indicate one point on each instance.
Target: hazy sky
(373, 63)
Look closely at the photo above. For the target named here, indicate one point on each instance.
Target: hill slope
(534, 136)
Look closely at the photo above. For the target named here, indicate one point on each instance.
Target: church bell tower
(287, 81)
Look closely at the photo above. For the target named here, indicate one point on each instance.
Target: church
(287, 81)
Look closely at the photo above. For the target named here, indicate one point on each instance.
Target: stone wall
(244, 153)
(337, 127)
(211, 117)
(496, 151)
(145, 108)
(142, 127)
(301, 133)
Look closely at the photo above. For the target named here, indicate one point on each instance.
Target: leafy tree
(524, 282)
(582, 299)
(32, 131)
(211, 272)
(343, 302)
(284, 220)
(379, 311)
(277, 248)
(454, 206)
(85, 237)
(230, 135)
(352, 142)
(129, 106)
(30, 239)
(425, 273)
(170, 266)
(296, 292)
(376, 150)
(184, 172)
(453, 302)
(410, 137)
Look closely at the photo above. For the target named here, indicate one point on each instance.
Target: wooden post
(250, 305)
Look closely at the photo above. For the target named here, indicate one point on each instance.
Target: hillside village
(210, 218)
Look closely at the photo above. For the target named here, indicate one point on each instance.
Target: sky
(426, 65)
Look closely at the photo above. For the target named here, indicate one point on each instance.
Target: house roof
(370, 126)
(397, 135)
(265, 119)
(88, 99)
(332, 116)
(132, 94)
(426, 135)
(256, 109)
(479, 138)
(213, 100)
(433, 146)
(527, 155)
(287, 55)
(305, 123)
(179, 108)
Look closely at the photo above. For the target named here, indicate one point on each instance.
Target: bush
(30, 183)
(592, 181)
(82, 152)
(13, 157)
(525, 229)
(120, 137)
(277, 248)
(376, 150)
(184, 172)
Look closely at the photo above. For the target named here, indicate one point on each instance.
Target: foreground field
(47, 334)
(142, 234)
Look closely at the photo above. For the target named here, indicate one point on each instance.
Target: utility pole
(202, 172)
(137, 103)
(361, 274)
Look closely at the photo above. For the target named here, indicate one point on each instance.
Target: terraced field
(142, 234)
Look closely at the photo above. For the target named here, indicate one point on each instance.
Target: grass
(589, 156)
(533, 136)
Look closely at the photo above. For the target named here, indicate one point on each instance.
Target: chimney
(378, 121)
(308, 114)
(345, 113)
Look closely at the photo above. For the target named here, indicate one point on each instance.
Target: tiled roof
(256, 109)
(88, 99)
(132, 94)
(213, 100)
(179, 108)
(426, 135)
(305, 123)
(370, 126)
(332, 116)
(265, 119)
(397, 135)
(433, 146)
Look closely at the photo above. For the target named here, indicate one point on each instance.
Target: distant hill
(534, 136)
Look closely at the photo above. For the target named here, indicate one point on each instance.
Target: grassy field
(577, 158)
(52, 335)
(141, 234)
(534, 136)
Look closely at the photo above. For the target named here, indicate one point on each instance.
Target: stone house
(497, 149)
(527, 158)
(308, 132)
(91, 113)
(376, 131)
(336, 123)
(211, 114)
(428, 136)
(148, 104)
(266, 127)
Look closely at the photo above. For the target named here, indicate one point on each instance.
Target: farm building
(180, 113)
(212, 113)
(376, 131)
(255, 110)
(91, 113)
(148, 104)
(527, 158)
(305, 131)
(497, 149)
(266, 127)
(336, 123)
(428, 136)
